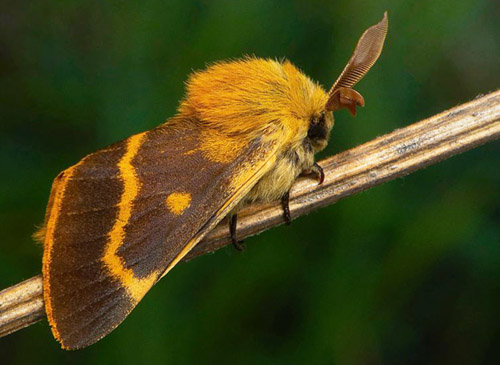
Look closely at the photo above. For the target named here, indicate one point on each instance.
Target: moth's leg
(285, 203)
(318, 170)
(232, 231)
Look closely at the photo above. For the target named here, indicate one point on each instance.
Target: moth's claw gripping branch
(318, 171)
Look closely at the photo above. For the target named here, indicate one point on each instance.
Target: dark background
(406, 272)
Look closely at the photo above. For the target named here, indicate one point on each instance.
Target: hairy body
(245, 98)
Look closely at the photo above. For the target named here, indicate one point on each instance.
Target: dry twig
(385, 158)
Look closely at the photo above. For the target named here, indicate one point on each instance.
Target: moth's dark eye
(317, 131)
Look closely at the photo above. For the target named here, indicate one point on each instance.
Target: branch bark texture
(385, 158)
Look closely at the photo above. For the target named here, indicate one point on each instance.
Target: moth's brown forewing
(123, 216)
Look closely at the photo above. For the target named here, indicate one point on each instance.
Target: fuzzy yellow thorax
(247, 97)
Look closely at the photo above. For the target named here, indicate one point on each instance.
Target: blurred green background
(406, 272)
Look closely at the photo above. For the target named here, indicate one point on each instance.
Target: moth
(124, 216)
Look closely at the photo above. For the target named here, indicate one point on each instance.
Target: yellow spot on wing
(136, 288)
(178, 202)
